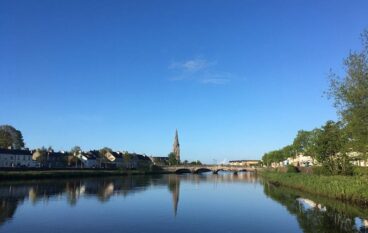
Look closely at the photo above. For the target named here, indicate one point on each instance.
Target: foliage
(327, 216)
(10, 137)
(350, 94)
(346, 188)
(320, 170)
(328, 145)
(172, 159)
(75, 150)
(291, 169)
(330, 149)
(5, 139)
(196, 162)
(104, 151)
(304, 142)
(41, 154)
(278, 155)
(360, 171)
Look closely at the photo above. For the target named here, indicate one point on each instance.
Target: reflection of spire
(174, 187)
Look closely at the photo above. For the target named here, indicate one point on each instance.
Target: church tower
(176, 146)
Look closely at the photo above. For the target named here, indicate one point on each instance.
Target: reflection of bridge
(207, 168)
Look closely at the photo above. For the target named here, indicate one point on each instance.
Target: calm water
(170, 203)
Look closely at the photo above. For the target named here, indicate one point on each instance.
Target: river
(170, 203)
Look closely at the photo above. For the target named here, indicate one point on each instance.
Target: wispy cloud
(193, 65)
(216, 81)
(199, 70)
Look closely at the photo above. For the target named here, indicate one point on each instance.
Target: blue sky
(236, 78)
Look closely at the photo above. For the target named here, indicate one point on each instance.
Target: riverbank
(352, 189)
(72, 173)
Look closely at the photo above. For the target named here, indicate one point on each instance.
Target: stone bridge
(195, 169)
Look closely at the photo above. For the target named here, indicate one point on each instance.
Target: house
(358, 159)
(57, 159)
(159, 161)
(141, 161)
(246, 163)
(303, 161)
(87, 160)
(17, 158)
(277, 164)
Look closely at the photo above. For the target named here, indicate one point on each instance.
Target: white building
(17, 158)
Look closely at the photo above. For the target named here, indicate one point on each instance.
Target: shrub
(321, 170)
(292, 169)
(360, 171)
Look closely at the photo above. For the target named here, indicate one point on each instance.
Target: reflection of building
(310, 204)
(247, 163)
(16, 158)
(174, 187)
(176, 146)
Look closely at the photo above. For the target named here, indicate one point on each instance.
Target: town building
(159, 161)
(246, 163)
(17, 158)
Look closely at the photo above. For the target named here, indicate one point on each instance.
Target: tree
(127, 159)
(75, 150)
(330, 148)
(40, 155)
(304, 142)
(10, 137)
(5, 139)
(172, 159)
(350, 94)
(105, 155)
(197, 162)
(105, 150)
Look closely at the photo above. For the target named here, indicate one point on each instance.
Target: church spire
(176, 146)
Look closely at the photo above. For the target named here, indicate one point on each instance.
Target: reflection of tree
(7, 209)
(313, 219)
(13, 193)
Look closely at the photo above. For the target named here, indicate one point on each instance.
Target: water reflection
(13, 194)
(316, 214)
(313, 214)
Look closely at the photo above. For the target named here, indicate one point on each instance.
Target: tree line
(333, 144)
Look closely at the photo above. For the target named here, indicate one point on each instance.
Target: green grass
(347, 188)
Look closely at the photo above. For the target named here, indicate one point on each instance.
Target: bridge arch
(201, 170)
(182, 170)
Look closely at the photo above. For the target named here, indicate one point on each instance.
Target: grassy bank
(69, 173)
(346, 188)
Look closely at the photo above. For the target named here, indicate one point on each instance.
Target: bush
(347, 188)
(321, 170)
(291, 169)
(360, 171)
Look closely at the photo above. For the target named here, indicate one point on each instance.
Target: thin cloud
(216, 81)
(193, 65)
(200, 70)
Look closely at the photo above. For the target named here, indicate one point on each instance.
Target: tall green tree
(10, 137)
(75, 150)
(330, 148)
(305, 141)
(350, 94)
(172, 159)
(5, 139)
